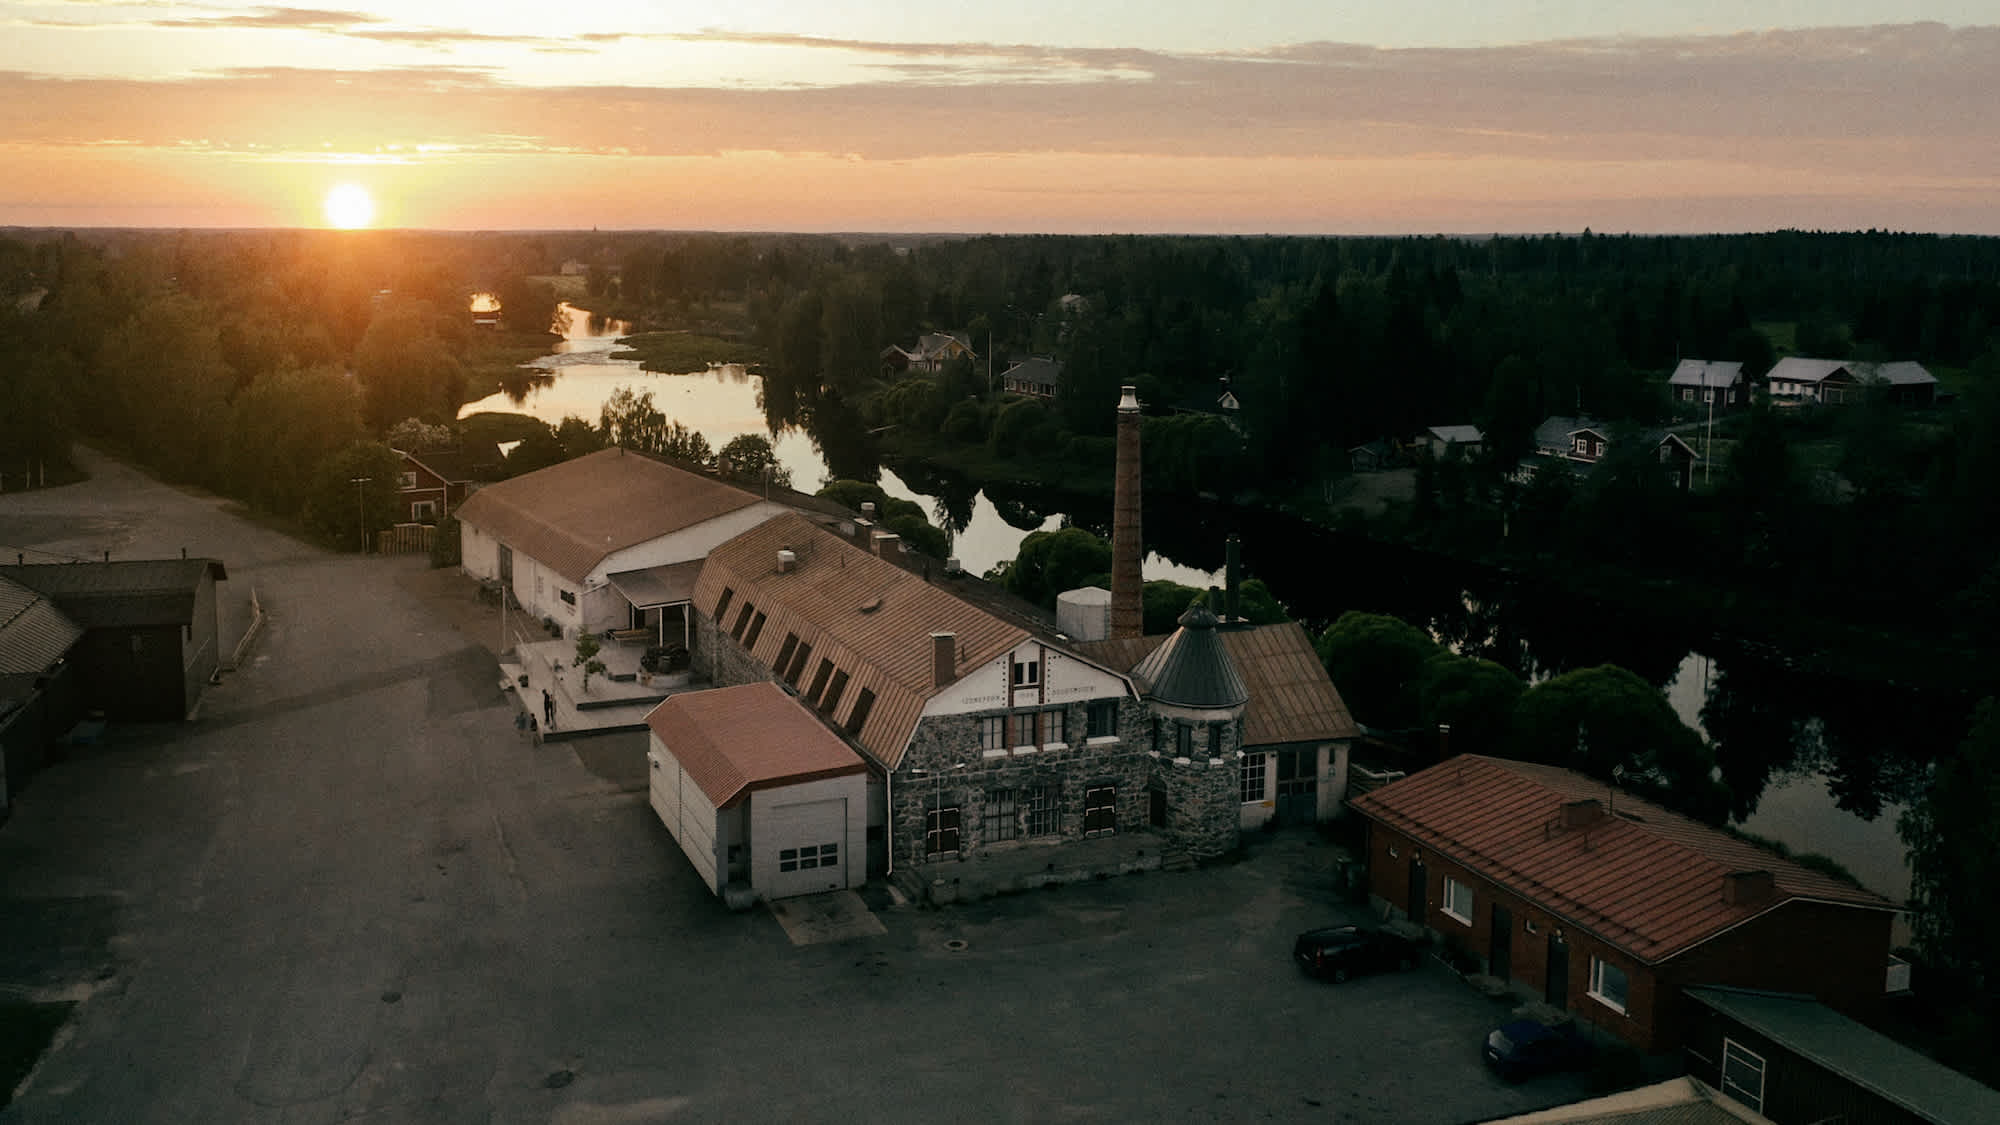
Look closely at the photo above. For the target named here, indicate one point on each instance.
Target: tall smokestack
(1232, 577)
(1128, 609)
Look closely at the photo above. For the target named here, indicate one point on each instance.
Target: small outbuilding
(763, 798)
(150, 640)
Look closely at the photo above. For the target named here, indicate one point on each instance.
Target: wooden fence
(405, 539)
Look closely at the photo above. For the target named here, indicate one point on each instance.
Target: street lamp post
(361, 509)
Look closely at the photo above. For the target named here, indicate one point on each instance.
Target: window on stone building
(722, 604)
(941, 823)
(1021, 728)
(1044, 807)
(1183, 740)
(1052, 727)
(1027, 673)
(742, 621)
(993, 732)
(1252, 774)
(1000, 820)
(1101, 719)
(1100, 810)
(785, 652)
(1215, 740)
(756, 630)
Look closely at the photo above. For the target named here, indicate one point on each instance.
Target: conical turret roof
(1191, 668)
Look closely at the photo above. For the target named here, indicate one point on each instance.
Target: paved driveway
(350, 891)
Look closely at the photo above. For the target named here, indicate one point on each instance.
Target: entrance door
(1419, 894)
(1501, 954)
(1298, 786)
(808, 838)
(1156, 807)
(1100, 810)
(1556, 991)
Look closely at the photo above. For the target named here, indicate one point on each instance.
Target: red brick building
(1607, 905)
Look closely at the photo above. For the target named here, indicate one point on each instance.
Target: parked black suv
(1339, 952)
(1525, 1048)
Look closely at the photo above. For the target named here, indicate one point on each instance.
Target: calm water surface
(726, 402)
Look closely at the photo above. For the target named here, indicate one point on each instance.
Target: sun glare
(349, 207)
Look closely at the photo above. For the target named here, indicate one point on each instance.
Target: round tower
(1195, 699)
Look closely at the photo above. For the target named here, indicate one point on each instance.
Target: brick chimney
(1128, 610)
(1232, 577)
(886, 542)
(1581, 814)
(1749, 888)
(944, 658)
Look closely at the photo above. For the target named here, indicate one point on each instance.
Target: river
(1823, 763)
(728, 401)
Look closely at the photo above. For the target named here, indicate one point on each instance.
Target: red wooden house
(433, 484)
(1609, 906)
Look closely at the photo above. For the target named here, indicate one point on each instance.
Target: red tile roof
(868, 616)
(1291, 697)
(570, 517)
(1645, 879)
(735, 739)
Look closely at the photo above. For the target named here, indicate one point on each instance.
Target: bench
(638, 636)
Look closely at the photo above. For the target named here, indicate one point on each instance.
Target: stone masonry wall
(945, 760)
(724, 662)
(1204, 789)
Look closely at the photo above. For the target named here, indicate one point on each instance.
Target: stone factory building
(986, 732)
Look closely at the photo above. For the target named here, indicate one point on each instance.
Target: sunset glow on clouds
(1285, 117)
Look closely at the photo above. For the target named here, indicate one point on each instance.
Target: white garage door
(805, 848)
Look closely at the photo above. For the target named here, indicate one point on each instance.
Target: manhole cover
(558, 1079)
(391, 996)
(956, 945)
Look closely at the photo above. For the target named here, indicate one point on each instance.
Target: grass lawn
(678, 353)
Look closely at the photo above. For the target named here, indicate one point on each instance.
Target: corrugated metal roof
(1706, 373)
(570, 516)
(869, 617)
(754, 736)
(33, 632)
(1645, 879)
(1292, 699)
(1799, 369)
(1462, 435)
(1191, 668)
(113, 594)
(1872, 1061)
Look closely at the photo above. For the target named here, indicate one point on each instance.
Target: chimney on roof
(788, 560)
(1581, 814)
(1128, 609)
(1749, 888)
(886, 542)
(944, 658)
(868, 509)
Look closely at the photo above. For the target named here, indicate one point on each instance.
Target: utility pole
(361, 509)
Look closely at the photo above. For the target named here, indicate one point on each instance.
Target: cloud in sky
(1891, 118)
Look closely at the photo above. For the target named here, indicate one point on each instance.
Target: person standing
(548, 710)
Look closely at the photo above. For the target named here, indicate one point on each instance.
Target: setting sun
(349, 207)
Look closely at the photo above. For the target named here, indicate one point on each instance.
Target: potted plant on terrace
(587, 648)
(652, 662)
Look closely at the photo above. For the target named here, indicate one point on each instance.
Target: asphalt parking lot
(350, 891)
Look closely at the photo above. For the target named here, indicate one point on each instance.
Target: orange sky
(1834, 128)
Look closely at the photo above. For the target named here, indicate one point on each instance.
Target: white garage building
(759, 794)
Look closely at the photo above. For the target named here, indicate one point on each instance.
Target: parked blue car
(1525, 1048)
